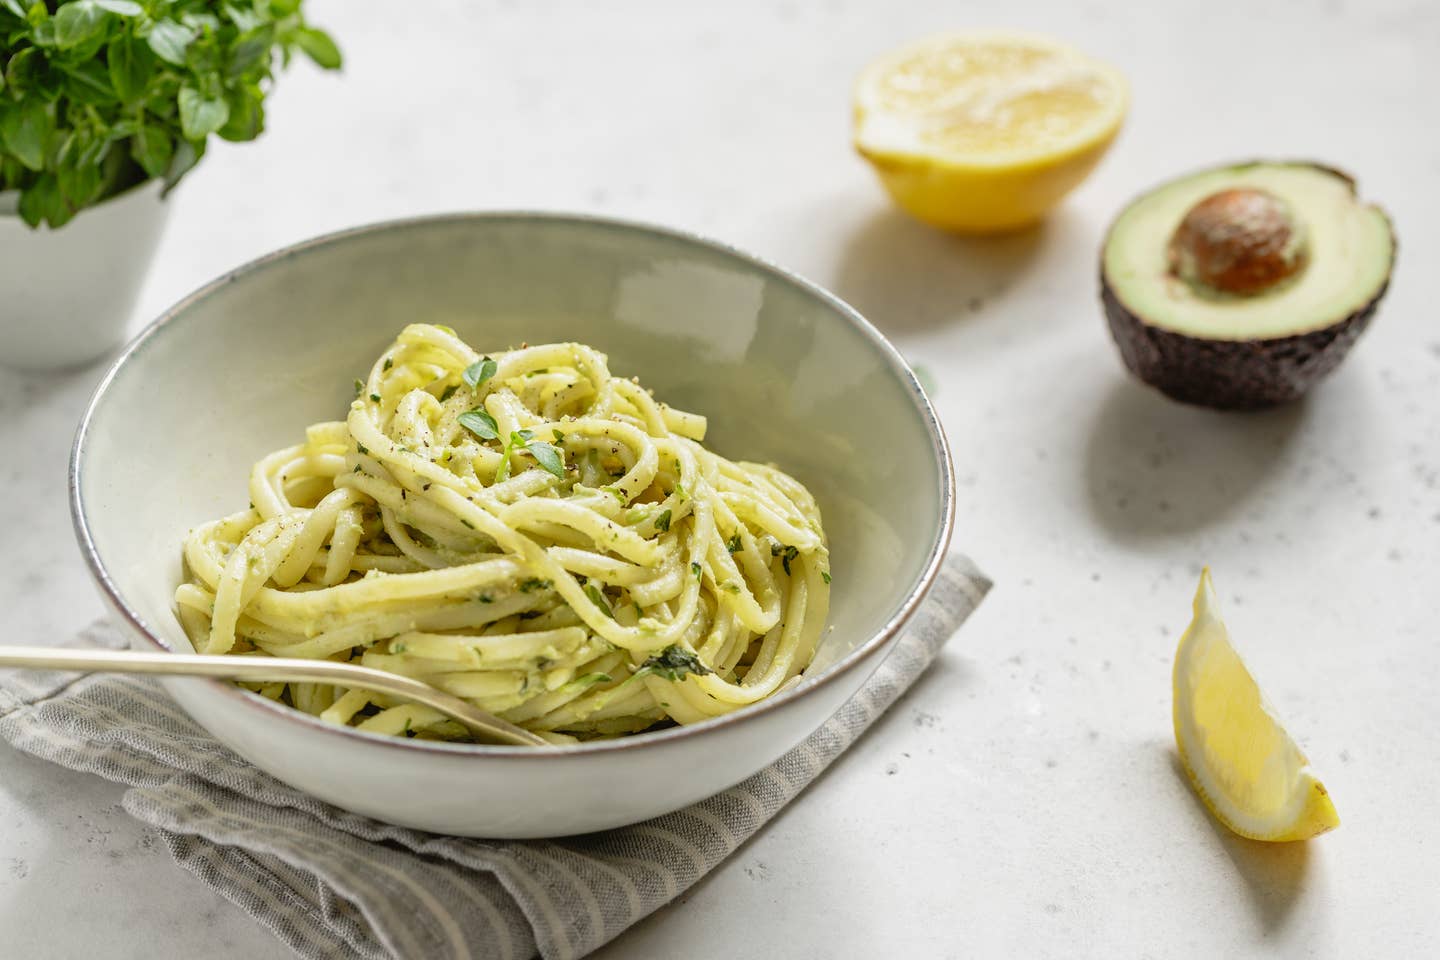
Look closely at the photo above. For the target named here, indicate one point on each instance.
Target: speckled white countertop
(1024, 799)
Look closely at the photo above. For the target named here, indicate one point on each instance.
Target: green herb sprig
(786, 553)
(100, 95)
(546, 454)
(597, 597)
(477, 373)
(480, 423)
(587, 681)
(672, 663)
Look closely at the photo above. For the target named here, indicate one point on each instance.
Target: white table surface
(1024, 799)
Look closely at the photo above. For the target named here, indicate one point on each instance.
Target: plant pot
(67, 294)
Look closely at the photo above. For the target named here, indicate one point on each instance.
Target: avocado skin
(1231, 374)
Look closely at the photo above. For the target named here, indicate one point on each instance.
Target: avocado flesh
(1219, 350)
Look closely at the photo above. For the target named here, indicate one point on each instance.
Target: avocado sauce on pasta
(521, 529)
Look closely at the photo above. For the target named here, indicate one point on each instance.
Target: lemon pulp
(985, 131)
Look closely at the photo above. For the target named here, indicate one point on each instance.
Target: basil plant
(97, 96)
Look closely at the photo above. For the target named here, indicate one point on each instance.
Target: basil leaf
(78, 184)
(205, 56)
(131, 65)
(696, 569)
(480, 423)
(43, 203)
(78, 22)
(187, 154)
(200, 20)
(245, 20)
(43, 33)
(169, 40)
(247, 115)
(549, 457)
(89, 83)
(735, 544)
(662, 522)
(478, 372)
(124, 8)
(24, 129)
(252, 47)
(317, 45)
(200, 115)
(21, 72)
(15, 7)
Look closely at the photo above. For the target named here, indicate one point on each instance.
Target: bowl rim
(865, 651)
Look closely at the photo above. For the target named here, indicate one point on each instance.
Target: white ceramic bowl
(785, 372)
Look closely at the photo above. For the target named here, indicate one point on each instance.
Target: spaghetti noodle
(523, 530)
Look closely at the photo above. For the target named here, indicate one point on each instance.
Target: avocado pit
(1242, 241)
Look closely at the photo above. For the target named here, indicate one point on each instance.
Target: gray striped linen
(334, 884)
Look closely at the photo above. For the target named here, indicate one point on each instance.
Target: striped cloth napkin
(331, 883)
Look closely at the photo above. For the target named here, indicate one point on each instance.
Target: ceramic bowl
(785, 372)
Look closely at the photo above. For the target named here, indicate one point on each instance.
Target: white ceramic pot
(67, 294)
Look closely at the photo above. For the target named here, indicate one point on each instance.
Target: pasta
(523, 530)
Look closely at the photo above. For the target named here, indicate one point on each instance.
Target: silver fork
(269, 669)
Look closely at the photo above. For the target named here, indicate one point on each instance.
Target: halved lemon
(982, 132)
(1246, 768)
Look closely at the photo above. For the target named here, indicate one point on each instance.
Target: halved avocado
(1240, 287)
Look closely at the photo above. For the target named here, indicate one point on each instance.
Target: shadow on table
(908, 278)
(24, 390)
(1155, 467)
(1274, 873)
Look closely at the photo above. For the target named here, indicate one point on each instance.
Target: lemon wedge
(981, 132)
(1246, 768)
